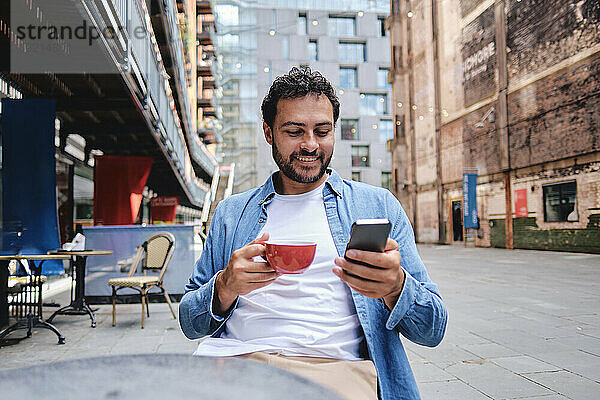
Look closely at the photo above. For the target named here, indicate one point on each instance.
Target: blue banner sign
(29, 217)
(470, 219)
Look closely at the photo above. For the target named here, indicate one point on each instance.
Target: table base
(77, 307)
(30, 322)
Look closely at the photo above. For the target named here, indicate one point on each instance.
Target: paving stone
(590, 319)
(459, 336)
(444, 353)
(496, 382)
(489, 350)
(429, 372)
(523, 364)
(177, 348)
(587, 344)
(412, 356)
(452, 390)
(579, 362)
(529, 344)
(567, 384)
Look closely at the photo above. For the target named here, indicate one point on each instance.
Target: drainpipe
(438, 145)
(411, 116)
(503, 117)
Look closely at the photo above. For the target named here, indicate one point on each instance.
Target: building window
(349, 129)
(356, 176)
(382, 79)
(348, 78)
(227, 14)
(231, 111)
(207, 94)
(381, 25)
(373, 104)
(269, 70)
(360, 156)
(386, 180)
(231, 88)
(399, 127)
(560, 202)
(302, 24)
(351, 52)
(341, 26)
(313, 50)
(285, 47)
(396, 57)
(229, 40)
(386, 130)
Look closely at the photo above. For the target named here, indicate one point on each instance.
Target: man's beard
(288, 169)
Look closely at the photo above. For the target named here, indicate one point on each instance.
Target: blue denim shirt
(419, 315)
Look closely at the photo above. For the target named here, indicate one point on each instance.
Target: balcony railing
(176, 45)
(200, 155)
(140, 63)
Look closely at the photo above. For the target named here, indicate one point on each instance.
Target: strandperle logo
(84, 31)
(66, 36)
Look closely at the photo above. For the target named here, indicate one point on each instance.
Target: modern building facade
(139, 99)
(345, 40)
(507, 90)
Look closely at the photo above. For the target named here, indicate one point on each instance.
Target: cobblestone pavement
(522, 325)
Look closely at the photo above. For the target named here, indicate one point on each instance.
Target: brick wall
(481, 142)
(541, 34)
(553, 63)
(556, 117)
(527, 235)
(451, 141)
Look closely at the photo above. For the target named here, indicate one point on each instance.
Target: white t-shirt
(310, 314)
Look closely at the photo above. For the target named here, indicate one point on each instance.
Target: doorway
(457, 224)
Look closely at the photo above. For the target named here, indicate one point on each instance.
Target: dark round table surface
(158, 376)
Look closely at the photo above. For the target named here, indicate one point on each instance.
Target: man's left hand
(382, 278)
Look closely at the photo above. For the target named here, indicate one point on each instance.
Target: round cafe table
(78, 304)
(160, 377)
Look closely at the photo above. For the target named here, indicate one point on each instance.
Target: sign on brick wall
(479, 57)
(520, 203)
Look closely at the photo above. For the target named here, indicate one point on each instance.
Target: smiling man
(339, 322)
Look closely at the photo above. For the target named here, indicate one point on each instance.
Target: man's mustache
(320, 155)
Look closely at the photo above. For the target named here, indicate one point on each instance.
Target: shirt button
(261, 220)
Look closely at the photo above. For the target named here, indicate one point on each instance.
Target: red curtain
(118, 186)
(163, 208)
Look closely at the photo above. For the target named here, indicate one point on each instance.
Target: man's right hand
(243, 275)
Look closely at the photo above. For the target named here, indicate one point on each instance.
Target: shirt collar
(334, 183)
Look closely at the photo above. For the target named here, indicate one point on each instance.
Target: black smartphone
(369, 235)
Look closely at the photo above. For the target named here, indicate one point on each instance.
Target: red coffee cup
(290, 257)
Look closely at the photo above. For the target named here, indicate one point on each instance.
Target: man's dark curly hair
(298, 83)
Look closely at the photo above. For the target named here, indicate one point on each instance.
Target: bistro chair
(153, 255)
